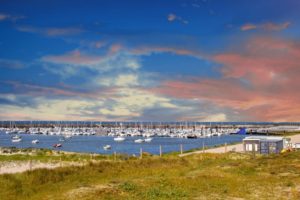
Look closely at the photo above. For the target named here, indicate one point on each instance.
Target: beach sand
(11, 167)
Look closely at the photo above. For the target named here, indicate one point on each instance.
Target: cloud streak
(13, 64)
(172, 17)
(73, 58)
(7, 17)
(265, 26)
(52, 31)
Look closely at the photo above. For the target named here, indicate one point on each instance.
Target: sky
(138, 60)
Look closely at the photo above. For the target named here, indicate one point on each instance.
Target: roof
(264, 138)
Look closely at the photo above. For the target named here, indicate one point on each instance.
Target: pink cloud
(63, 31)
(266, 26)
(115, 48)
(276, 27)
(224, 92)
(254, 104)
(73, 58)
(259, 81)
(263, 60)
(248, 27)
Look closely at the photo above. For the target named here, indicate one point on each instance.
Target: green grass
(202, 176)
(45, 155)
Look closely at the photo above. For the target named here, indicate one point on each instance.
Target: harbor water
(94, 143)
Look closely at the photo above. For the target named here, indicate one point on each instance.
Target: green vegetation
(280, 133)
(201, 176)
(45, 155)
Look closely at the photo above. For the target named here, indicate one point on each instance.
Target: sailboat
(16, 138)
(148, 139)
(35, 141)
(57, 145)
(106, 147)
(119, 139)
(139, 141)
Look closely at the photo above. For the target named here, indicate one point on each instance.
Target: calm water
(94, 144)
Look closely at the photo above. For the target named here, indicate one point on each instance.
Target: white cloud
(133, 64)
(10, 97)
(220, 117)
(172, 17)
(121, 80)
(118, 111)
(47, 109)
(69, 63)
(127, 80)
(132, 102)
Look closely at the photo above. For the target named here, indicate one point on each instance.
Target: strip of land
(235, 147)
(11, 167)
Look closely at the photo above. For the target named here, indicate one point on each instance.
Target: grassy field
(207, 176)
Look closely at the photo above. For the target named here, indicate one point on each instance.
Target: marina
(131, 138)
(96, 144)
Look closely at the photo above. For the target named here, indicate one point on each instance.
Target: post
(141, 152)
(30, 165)
(115, 156)
(160, 151)
(181, 149)
(60, 161)
(225, 147)
(203, 147)
(253, 150)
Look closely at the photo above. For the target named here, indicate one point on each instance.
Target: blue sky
(197, 60)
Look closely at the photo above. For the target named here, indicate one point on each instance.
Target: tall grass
(203, 176)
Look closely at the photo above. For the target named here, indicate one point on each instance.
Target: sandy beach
(11, 167)
(235, 147)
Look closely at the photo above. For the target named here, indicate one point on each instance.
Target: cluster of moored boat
(126, 132)
(18, 138)
(188, 133)
(51, 131)
(140, 140)
(121, 139)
